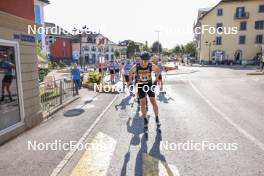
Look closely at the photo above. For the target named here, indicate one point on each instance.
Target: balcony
(242, 16)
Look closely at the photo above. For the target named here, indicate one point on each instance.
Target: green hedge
(42, 73)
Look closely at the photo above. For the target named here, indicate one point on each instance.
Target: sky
(130, 19)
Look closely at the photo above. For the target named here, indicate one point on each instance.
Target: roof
(226, 1)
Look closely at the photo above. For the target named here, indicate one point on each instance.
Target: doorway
(238, 57)
(11, 101)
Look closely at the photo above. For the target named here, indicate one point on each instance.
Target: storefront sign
(24, 38)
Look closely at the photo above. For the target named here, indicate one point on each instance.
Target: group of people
(144, 72)
(138, 72)
(113, 68)
(146, 75)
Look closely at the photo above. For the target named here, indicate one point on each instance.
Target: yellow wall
(230, 43)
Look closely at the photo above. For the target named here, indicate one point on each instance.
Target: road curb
(255, 73)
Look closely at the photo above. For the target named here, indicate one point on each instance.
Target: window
(219, 26)
(242, 39)
(107, 49)
(240, 12)
(219, 12)
(259, 39)
(218, 40)
(259, 25)
(243, 26)
(261, 8)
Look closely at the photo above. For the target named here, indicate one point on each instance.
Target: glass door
(11, 106)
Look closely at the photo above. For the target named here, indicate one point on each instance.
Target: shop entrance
(11, 104)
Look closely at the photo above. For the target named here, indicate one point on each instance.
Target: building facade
(20, 108)
(91, 52)
(240, 36)
(59, 45)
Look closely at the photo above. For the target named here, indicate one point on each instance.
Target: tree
(145, 47)
(156, 47)
(117, 54)
(182, 49)
(178, 50)
(190, 49)
(167, 52)
(132, 48)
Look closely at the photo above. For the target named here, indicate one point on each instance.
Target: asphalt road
(203, 105)
(220, 107)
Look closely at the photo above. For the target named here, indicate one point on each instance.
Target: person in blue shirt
(76, 77)
(112, 70)
(127, 68)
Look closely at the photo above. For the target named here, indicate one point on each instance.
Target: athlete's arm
(156, 70)
(130, 73)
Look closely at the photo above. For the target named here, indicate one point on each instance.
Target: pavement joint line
(69, 155)
(231, 122)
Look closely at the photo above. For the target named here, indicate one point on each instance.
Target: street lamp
(158, 43)
(209, 44)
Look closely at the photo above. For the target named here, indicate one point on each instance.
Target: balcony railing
(241, 16)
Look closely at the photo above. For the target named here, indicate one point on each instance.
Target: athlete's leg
(155, 107)
(3, 90)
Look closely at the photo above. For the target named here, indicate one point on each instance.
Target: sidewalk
(67, 125)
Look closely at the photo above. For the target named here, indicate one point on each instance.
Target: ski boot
(158, 125)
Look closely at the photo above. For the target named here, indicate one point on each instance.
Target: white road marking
(229, 120)
(96, 159)
(88, 98)
(153, 166)
(84, 107)
(68, 156)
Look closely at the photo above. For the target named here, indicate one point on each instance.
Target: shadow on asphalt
(154, 152)
(73, 112)
(78, 111)
(135, 128)
(124, 103)
(162, 98)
